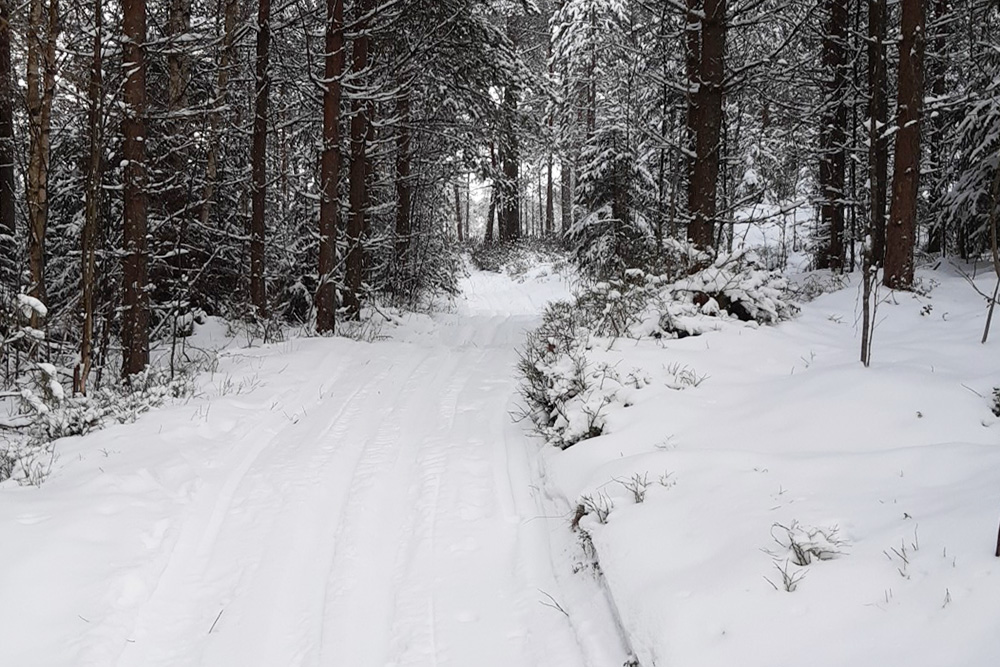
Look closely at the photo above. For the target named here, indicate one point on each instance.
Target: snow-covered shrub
(733, 285)
(815, 285)
(803, 544)
(612, 307)
(47, 414)
(566, 393)
(517, 257)
(996, 401)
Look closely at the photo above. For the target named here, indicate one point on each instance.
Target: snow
(886, 478)
(333, 502)
(321, 502)
(30, 304)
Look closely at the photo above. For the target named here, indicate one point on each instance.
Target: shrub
(48, 414)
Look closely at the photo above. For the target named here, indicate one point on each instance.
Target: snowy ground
(325, 502)
(890, 475)
(336, 503)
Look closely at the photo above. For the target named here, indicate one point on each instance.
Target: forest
(295, 162)
(499, 332)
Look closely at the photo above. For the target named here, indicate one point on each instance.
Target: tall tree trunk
(491, 216)
(404, 194)
(178, 76)
(358, 180)
(901, 230)
(8, 229)
(510, 191)
(937, 243)
(459, 227)
(878, 114)
(43, 28)
(833, 134)
(705, 118)
(566, 195)
(135, 298)
(494, 197)
(92, 206)
(258, 161)
(550, 210)
(329, 209)
(226, 57)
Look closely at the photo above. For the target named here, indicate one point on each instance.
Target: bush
(48, 414)
(733, 285)
(567, 393)
(517, 257)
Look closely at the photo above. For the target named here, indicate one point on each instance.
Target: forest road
(381, 509)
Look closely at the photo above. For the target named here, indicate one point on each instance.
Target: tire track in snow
(193, 569)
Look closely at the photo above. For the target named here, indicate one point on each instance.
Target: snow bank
(789, 506)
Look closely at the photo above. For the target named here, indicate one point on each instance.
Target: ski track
(391, 519)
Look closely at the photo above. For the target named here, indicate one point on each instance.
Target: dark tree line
(296, 161)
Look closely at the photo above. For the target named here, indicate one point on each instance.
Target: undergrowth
(568, 393)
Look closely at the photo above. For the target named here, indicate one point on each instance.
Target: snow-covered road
(335, 503)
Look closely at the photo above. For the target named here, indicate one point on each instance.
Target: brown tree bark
(878, 114)
(938, 240)
(566, 195)
(833, 135)
(90, 231)
(404, 194)
(705, 116)
(510, 191)
(550, 211)
(43, 30)
(8, 230)
(226, 57)
(258, 161)
(901, 229)
(135, 298)
(329, 210)
(459, 226)
(178, 76)
(491, 216)
(358, 168)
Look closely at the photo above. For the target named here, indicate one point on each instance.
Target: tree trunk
(878, 114)
(491, 216)
(459, 227)
(404, 194)
(258, 161)
(226, 57)
(90, 232)
(43, 30)
(510, 191)
(135, 298)
(566, 195)
(901, 230)
(549, 199)
(358, 180)
(706, 120)
(8, 229)
(178, 78)
(833, 135)
(938, 241)
(329, 210)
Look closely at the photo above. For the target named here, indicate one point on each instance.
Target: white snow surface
(324, 502)
(336, 503)
(888, 478)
